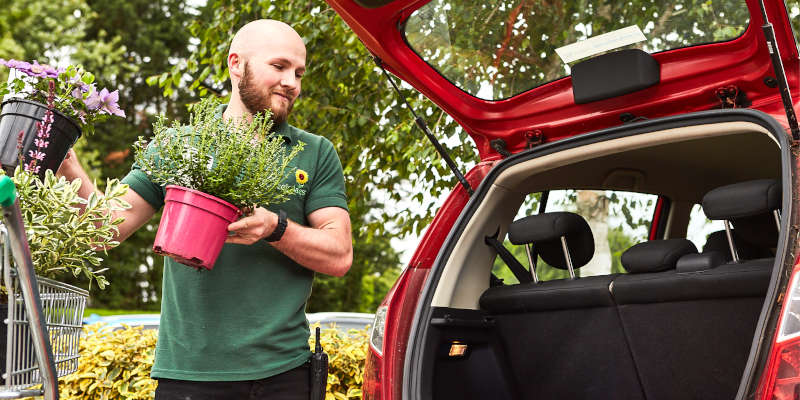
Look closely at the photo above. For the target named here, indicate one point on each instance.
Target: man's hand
(326, 246)
(253, 228)
(71, 167)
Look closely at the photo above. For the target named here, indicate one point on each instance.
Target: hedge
(116, 364)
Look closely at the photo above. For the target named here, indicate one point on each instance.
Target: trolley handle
(12, 217)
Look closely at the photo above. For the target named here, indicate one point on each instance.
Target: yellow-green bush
(116, 364)
(346, 355)
(112, 365)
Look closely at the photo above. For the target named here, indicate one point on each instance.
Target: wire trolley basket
(62, 307)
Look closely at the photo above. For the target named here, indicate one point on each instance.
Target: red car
(630, 231)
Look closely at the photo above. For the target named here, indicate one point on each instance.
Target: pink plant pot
(193, 227)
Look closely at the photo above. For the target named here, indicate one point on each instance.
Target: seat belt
(522, 275)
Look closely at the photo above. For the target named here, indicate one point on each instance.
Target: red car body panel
(437, 231)
(689, 79)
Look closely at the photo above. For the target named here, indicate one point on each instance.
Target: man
(239, 331)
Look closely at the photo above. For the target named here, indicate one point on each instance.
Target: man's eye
(278, 66)
(299, 76)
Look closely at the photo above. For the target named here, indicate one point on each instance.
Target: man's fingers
(238, 225)
(236, 239)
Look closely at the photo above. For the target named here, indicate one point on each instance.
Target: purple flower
(82, 101)
(93, 101)
(40, 143)
(18, 65)
(35, 69)
(33, 168)
(36, 154)
(108, 102)
(45, 71)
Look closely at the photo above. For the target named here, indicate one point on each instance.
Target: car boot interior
(677, 323)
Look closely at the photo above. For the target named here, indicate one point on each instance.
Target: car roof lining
(669, 161)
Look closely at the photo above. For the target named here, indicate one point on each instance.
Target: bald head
(266, 62)
(263, 34)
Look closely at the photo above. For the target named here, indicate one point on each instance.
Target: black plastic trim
(781, 269)
(373, 3)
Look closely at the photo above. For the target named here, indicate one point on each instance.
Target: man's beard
(256, 101)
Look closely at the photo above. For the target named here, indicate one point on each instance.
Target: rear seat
(563, 338)
(690, 327)
(678, 326)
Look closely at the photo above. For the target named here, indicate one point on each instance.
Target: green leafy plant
(235, 160)
(116, 364)
(62, 237)
(113, 364)
(347, 353)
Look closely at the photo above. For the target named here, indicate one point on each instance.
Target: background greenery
(165, 54)
(125, 42)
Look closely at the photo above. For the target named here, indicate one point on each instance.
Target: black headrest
(743, 199)
(753, 236)
(656, 255)
(545, 231)
(700, 262)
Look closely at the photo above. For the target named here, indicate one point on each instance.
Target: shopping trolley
(44, 316)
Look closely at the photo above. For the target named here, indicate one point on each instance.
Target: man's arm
(326, 246)
(134, 217)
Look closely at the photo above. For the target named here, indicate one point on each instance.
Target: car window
(618, 221)
(700, 227)
(793, 9)
(499, 48)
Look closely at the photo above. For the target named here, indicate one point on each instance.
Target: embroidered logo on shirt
(301, 176)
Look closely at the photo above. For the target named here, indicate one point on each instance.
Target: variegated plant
(63, 238)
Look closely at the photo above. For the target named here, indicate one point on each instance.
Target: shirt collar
(283, 129)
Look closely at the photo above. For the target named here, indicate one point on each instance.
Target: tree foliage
(499, 48)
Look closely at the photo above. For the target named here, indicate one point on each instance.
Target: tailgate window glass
(496, 49)
(618, 221)
(793, 10)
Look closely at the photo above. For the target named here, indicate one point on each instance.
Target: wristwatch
(277, 234)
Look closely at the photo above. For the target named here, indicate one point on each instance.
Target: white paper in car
(600, 43)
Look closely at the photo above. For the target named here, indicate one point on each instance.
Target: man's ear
(235, 66)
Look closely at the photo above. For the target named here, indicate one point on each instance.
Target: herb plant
(235, 160)
(60, 236)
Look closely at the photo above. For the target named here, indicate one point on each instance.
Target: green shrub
(116, 364)
(346, 356)
(235, 160)
(112, 365)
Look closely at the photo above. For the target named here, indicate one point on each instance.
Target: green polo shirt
(245, 318)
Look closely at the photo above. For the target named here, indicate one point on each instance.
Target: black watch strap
(277, 234)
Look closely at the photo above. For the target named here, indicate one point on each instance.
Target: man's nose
(289, 81)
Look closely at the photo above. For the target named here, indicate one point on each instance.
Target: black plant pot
(21, 116)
